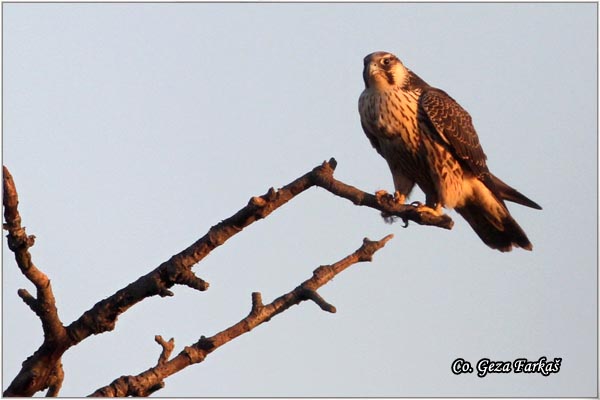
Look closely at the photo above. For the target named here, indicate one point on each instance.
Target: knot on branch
(195, 355)
(329, 166)
(257, 201)
(136, 388)
(205, 344)
(17, 239)
(55, 380)
(369, 247)
(101, 318)
(214, 238)
(198, 351)
(310, 294)
(260, 203)
(167, 276)
(323, 174)
(323, 273)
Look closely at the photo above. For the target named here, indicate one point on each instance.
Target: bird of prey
(429, 140)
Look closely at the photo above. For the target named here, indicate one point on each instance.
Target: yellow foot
(381, 194)
(399, 197)
(435, 211)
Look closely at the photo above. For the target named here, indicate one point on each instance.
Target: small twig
(29, 300)
(259, 313)
(257, 304)
(167, 349)
(188, 278)
(320, 301)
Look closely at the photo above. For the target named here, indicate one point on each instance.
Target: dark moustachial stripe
(428, 139)
(390, 78)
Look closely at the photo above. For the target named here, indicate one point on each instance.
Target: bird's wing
(454, 126)
(372, 138)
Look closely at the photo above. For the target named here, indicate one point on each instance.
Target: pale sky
(130, 129)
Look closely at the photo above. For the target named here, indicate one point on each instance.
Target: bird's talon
(399, 198)
(383, 196)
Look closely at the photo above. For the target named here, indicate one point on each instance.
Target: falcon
(429, 140)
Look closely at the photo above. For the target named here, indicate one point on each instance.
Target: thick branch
(103, 315)
(43, 368)
(19, 242)
(153, 378)
(55, 380)
(177, 270)
(324, 178)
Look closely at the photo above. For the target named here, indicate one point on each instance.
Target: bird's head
(383, 70)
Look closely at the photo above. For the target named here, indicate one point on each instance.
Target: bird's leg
(399, 198)
(382, 197)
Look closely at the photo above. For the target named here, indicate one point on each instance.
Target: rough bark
(152, 379)
(43, 369)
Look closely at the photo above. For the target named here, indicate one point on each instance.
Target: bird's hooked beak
(374, 73)
(370, 68)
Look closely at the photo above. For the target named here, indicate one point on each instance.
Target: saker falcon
(428, 139)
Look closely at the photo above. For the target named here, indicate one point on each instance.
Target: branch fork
(259, 313)
(40, 370)
(167, 349)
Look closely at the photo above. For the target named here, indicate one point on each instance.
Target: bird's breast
(391, 115)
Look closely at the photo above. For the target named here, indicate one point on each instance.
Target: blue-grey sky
(130, 129)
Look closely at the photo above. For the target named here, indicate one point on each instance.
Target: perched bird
(428, 139)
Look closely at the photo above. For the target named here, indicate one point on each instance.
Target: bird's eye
(386, 61)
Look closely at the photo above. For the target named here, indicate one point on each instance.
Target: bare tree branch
(43, 368)
(153, 378)
(36, 370)
(177, 270)
(55, 380)
(323, 177)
